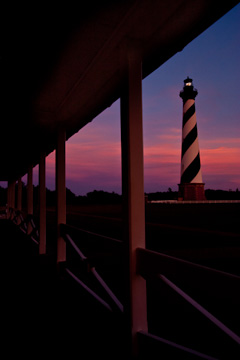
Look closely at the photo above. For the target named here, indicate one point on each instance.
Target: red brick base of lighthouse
(191, 191)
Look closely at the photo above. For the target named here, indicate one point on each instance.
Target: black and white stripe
(190, 161)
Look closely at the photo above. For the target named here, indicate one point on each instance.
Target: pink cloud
(220, 165)
(222, 160)
(93, 157)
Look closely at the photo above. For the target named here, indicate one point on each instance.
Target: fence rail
(151, 264)
(89, 238)
(3, 212)
(156, 343)
(176, 273)
(26, 224)
(91, 269)
(201, 309)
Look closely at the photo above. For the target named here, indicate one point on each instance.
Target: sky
(93, 155)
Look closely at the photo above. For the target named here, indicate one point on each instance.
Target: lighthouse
(191, 186)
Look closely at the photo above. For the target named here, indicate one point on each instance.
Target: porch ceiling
(60, 67)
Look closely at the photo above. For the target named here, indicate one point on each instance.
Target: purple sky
(212, 61)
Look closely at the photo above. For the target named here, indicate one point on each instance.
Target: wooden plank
(151, 264)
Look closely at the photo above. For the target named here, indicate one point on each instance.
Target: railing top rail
(201, 309)
(90, 291)
(64, 227)
(154, 257)
(93, 271)
(153, 340)
(76, 248)
(151, 264)
(91, 239)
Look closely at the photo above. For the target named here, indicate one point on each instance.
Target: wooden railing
(3, 212)
(90, 238)
(26, 224)
(199, 279)
(176, 273)
(184, 278)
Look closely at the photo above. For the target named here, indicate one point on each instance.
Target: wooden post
(133, 198)
(10, 199)
(13, 199)
(61, 193)
(19, 199)
(42, 204)
(29, 198)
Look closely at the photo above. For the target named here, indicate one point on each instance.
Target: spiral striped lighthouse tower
(191, 186)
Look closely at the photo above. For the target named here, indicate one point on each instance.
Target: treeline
(163, 195)
(222, 194)
(104, 197)
(94, 197)
(209, 193)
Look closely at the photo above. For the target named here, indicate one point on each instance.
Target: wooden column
(10, 199)
(61, 193)
(19, 198)
(135, 306)
(29, 197)
(42, 204)
(13, 197)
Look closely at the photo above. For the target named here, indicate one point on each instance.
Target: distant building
(191, 186)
